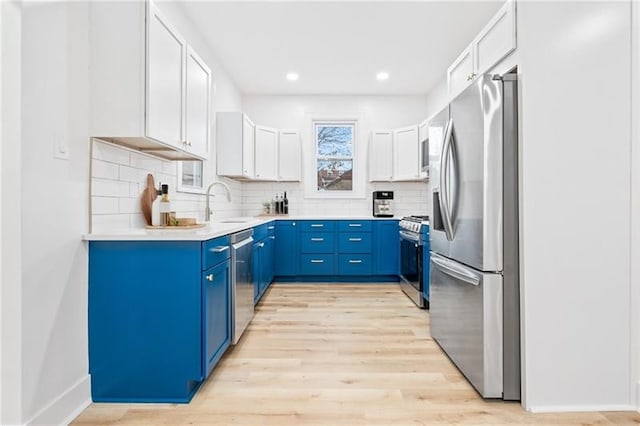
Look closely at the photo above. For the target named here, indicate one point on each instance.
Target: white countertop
(213, 230)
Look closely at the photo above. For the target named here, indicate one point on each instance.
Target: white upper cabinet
(496, 40)
(381, 155)
(289, 156)
(266, 153)
(146, 91)
(406, 161)
(461, 73)
(198, 111)
(235, 138)
(166, 50)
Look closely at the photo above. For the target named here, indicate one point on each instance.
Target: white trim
(634, 261)
(186, 188)
(67, 406)
(580, 408)
(359, 157)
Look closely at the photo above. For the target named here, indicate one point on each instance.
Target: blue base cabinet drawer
(354, 264)
(215, 251)
(317, 225)
(354, 226)
(317, 242)
(317, 264)
(354, 242)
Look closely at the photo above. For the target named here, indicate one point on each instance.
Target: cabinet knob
(209, 277)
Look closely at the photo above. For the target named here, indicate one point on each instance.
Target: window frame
(192, 189)
(320, 158)
(358, 158)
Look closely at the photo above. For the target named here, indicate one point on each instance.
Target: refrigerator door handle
(444, 181)
(456, 271)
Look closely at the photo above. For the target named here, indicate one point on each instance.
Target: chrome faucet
(207, 209)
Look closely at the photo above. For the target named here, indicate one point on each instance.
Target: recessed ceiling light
(382, 76)
(292, 76)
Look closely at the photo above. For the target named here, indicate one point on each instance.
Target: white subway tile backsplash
(169, 168)
(110, 153)
(109, 188)
(104, 170)
(129, 174)
(104, 205)
(129, 205)
(141, 161)
(109, 222)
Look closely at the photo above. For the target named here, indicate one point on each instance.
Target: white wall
(635, 206)
(376, 112)
(575, 219)
(54, 259)
(10, 214)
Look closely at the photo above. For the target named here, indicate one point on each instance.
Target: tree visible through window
(334, 156)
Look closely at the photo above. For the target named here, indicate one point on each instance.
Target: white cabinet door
(166, 51)
(289, 156)
(198, 111)
(497, 39)
(406, 161)
(381, 155)
(266, 153)
(248, 140)
(461, 73)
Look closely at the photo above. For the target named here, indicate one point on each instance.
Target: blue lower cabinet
(317, 242)
(426, 259)
(354, 264)
(386, 248)
(216, 314)
(157, 323)
(354, 242)
(317, 264)
(287, 256)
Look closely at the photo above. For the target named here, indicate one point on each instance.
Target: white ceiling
(338, 47)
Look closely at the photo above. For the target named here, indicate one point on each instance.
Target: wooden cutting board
(149, 194)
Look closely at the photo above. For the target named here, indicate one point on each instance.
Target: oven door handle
(406, 236)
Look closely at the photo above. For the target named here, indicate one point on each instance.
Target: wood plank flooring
(336, 354)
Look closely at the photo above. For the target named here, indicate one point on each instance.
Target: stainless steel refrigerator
(475, 302)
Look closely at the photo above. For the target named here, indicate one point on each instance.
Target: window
(334, 142)
(190, 176)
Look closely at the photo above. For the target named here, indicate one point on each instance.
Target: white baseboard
(66, 407)
(580, 408)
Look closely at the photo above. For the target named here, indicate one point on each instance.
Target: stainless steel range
(414, 263)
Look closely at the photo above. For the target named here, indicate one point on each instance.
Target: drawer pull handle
(317, 261)
(355, 239)
(355, 261)
(271, 227)
(210, 277)
(355, 225)
(260, 245)
(272, 237)
(317, 239)
(219, 249)
(317, 225)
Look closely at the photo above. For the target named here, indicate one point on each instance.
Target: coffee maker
(382, 204)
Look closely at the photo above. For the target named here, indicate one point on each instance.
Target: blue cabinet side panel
(386, 251)
(217, 316)
(145, 335)
(426, 266)
(286, 248)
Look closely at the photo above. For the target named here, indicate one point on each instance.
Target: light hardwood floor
(336, 354)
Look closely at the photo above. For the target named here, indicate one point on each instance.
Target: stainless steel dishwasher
(241, 282)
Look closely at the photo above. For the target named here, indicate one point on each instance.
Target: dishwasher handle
(240, 244)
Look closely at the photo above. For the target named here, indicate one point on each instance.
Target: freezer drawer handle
(456, 272)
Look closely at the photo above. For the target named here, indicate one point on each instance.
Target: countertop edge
(216, 229)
